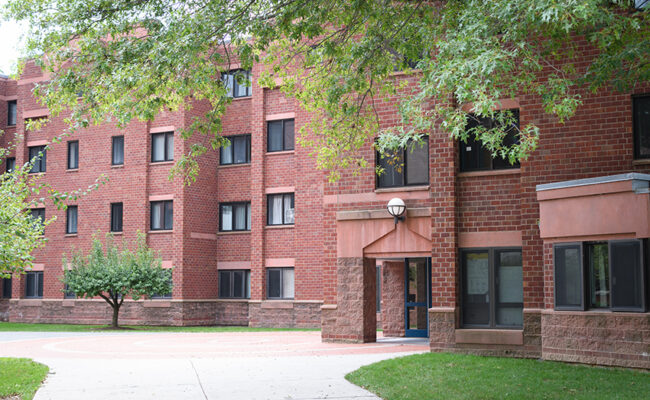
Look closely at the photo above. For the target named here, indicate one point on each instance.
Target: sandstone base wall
(275, 314)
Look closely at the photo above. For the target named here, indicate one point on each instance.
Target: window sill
(492, 172)
(241, 98)
(279, 226)
(234, 165)
(277, 303)
(117, 165)
(69, 235)
(116, 233)
(157, 303)
(159, 231)
(36, 173)
(72, 170)
(162, 162)
(490, 336)
(280, 153)
(403, 189)
(226, 233)
(641, 161)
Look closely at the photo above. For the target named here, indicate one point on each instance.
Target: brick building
(543, 259)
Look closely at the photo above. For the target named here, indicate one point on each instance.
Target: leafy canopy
(132, 59)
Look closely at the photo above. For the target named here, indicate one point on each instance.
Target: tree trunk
(116, 312)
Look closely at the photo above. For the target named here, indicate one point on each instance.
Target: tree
(131, 59)
(114, 273)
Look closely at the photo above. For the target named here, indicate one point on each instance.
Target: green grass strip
(21, 327)
(20, 377)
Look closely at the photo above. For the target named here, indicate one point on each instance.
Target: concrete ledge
(329, 307)
(68, 303)
(277, 304)
(490, 336)
(380, 214)
(30, 302)
(157, 304)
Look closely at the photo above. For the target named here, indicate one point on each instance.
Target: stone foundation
(284, 314)
(392, 299)
(593, 337)
(232, 313)
(4, 310)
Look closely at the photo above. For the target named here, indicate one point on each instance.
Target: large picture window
(162, 147)
(605, 275)
(408, 167)
(641, 112)
(38, 157)
(237, 83)
(280, 135)
(280, 209)
(475, 157)
(235, 284)
(279, 283)
(492, 288)
(238, 152)
(235, 216)
(162, 215)
(34, 285)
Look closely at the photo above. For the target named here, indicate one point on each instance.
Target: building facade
(546, 258)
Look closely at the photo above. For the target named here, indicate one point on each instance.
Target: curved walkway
(228, 365)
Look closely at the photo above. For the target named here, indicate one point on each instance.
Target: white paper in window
(226, 218)
(288, 210)
(287, 283)
(277, 210)
(158, 147)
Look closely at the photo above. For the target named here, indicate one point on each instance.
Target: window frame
(404, 172)
(10, 164)
(235, 85)
(164, 204)
(247, 138)
(41, 163)
(284, 145)
(40, 213)
(636, 138)
(37, 282)
(7, 288)
(246, 282)
(112, 228)
(71, 144)
(582, 282)
(113, 149)
(268, 208)
(12, 113)
(168, 296)
(282, 294)
(233, 204)
(167, 144)
(68, 211)
(461, 151)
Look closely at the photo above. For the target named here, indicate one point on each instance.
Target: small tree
(113, 273)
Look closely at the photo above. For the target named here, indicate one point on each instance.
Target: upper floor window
(162, 147)
(37, 155)
(10, 164)
(235, 216)
(238, 152)
(235, 284)
(73, 155)
(12, 108)
(38, 214)
(407, 167)
(475, 157)
(34, 284)
(280, 135)
(116, 217)
(607, 275)
(280, 209)
(641, 111)
(237, 82)
(71, 221)
(162, 215)
(117, 152)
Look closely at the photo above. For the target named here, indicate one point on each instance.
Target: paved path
(233, 365)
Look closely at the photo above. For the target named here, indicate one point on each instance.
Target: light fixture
(396, 208)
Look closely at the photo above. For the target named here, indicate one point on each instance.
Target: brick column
(258, 220)
(392, 297)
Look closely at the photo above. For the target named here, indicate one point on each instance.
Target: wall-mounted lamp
(397, 209)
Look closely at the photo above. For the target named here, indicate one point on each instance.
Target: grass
(454, 376)
(21, 327)
(20, 377)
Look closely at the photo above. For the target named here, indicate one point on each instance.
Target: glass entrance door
(418, 296)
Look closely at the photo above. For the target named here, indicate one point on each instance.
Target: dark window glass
(239, 151)
(598, 259)
(474, 157)
(280, 135)
(12, 109)
(162, 215)
(34, 285)
(67, 293)
(38, 214)
(73, 155)
(235, 284)
(476, 288)
(117, 157)
(280, 209)
(406, 167)
(509, 307)
(10, 164)
(627, 279)
(568, 277)
(237, 82)
(71, 225)
(280, 283)
(162, 147)
(116, 217)
(168, 295)
(641, 106)
(37, 155)
(235, 216)
(6, 288)
(378, 288)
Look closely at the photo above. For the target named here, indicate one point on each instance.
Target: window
(34, 285)
(239, 151)
(235, 216)
(6, 288)
(37, 155)
(280, 135)
(67, 293)
(409, 167)
(235, 284)
(162, 147)
(116, 217)
(12, 108)
(279, 283)
(492, 288)
(38, 214)
(237, 82)
(607, 275)
(474, 157)
(118, 150)
(280, 209)
(168, 295)
(162, 215)
(10, 164)
(641, 111)
(639, 4)
(378, 288)
(73, 155)
(71, 220)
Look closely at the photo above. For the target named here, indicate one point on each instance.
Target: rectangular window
(162, 147)
(239, 151)
(10, 164)
(492, 288)
(235, 216)
(34, 285)
(162, 215)
(168, 295)
(641, 116)
(116, 217)
(73, 155)
(280, 135)
(38, 214)
(117, 157)
(6, 288)
(235, 284)
(408, 167)
(280, 209)
(67, 293)
(279, 283)
(475, 157)
(237, 83)
(607, 275)
(71, 223)
(37, 155)
(12, 109)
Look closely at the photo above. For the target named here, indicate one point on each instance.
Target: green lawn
(20, 327)
(454, 376)
(20, 376)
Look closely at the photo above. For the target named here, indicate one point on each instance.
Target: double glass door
(418, 296)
